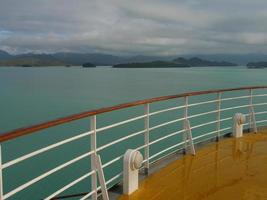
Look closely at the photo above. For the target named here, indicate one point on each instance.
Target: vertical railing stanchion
(146, 138)
(185, 121)
(252, 118)
(250, 104)
(93, 157)
(1, 175)
(101, 178)
(219, 96)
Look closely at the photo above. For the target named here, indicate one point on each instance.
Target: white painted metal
(27, 184)
(120, 140)
(107, 182)
(201, 114)
(166, 155)
(210, 133)
(146, 139)
(113, 161)
(204, 124)
(165, 137)
(101, 177)
(205, 134)
(141, 147)
(1, 175)
(219, 97)
(148, 158)
(205, 139)
(42, 150)
(260, 95)
(261, 121)
(69, 185)
(235, 107)
(165, 150)
(165, 110)
(120, 123)
(189, 137)
(259, 104)
(88, 195)
(260, 113)
(132, 161)
(252, 118)
(224, 129)
(93, 149)
(114, 178)
(239, 120)
(185, 119)
(233, 98)
(201, 103)
(225, 119)
(250, 111)
(166, 123)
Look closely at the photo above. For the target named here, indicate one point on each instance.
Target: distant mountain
(4, 55)
(76, 59)
(80, 58)
(240, 59)
(197, 62)
(154, 64)
(32, 60)
(70, 59)
(142, 59)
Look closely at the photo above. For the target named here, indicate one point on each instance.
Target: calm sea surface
(34, 95)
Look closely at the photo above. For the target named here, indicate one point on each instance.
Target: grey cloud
(151, 27)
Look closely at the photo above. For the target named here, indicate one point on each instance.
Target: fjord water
(34, 95)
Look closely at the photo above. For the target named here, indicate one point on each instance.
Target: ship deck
(229, 169)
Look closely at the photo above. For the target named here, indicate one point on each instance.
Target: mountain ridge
(100, 59)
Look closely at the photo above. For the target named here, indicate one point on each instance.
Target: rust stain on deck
(230, 169)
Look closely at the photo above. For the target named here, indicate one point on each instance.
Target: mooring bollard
(131, 163)
(239, 120)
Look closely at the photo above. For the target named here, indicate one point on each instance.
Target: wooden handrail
(25, 131)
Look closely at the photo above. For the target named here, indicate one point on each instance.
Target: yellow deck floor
(230, 169)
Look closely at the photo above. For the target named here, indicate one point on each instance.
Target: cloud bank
(150, 27)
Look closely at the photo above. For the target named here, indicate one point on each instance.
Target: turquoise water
(33, 95)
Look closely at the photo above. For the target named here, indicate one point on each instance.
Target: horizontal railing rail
(24, 131)
(214, 117)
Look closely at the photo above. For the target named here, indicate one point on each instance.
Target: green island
(88, 65)
(154, 64)
(197, 62)
(176, 63)
(257, 65)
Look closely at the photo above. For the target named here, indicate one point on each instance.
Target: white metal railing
(149, 157)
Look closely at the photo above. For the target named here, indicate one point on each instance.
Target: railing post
(252, 119)
(146, 138)
(219, 96)
(189, 137)
(185, 122)
(1, 175)
(101, 178)
(93, 157)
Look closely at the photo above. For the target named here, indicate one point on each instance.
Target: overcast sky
(150, 27)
